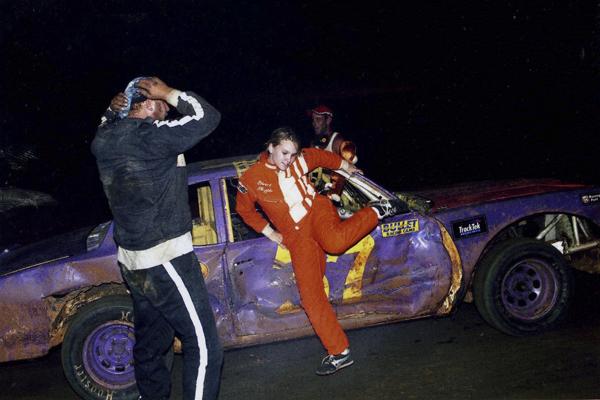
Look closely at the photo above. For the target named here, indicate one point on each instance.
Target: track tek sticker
(400, 227)
(589, 199)
(469, 227)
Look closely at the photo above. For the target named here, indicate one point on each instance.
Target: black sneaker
(386, 208)
(334, 362)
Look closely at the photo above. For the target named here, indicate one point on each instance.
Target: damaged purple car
(510, 246)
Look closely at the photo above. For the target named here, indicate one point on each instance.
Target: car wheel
(97, 352)
(523, 286)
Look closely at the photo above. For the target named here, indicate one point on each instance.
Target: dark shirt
(138, 165)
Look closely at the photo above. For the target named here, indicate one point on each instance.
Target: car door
(406, 267)
(209, 238)
(264, 298)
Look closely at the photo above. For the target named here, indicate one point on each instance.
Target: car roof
(220, 167)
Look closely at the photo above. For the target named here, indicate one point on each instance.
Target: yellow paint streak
(204, 229)
(227, 212)
(283, 255)
(203, 269)
(353, 284)
(287, 308)
(456, 271)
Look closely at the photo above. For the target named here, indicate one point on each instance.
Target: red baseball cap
(320, 110)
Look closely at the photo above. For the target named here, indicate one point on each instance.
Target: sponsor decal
(264, 187)
(400, 227)
(589, 199)
(242, 188)
(469, 227)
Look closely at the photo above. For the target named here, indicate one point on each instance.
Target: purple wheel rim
(108, 355)
(530, 289)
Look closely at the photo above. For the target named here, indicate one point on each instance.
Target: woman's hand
(277, 238)
(351, 168)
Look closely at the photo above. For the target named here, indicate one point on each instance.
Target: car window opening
(204, 230)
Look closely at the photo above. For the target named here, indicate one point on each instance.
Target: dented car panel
(488, 219)
(25, 311)
(415, 264)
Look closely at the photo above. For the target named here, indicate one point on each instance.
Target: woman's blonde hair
(281, 134)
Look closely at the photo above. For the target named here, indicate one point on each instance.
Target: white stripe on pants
(189, 305)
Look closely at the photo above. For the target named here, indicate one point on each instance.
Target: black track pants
(172, 299)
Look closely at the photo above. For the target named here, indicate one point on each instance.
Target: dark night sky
(432, 93)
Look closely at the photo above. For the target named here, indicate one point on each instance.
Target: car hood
(466, 194)
(67, 244)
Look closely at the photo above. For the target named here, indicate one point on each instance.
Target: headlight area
(96, 236)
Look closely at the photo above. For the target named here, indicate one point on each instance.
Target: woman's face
(283, 154)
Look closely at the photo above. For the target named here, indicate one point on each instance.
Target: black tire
(523, 286)
(97, 352)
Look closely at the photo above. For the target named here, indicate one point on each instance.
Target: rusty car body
(511, 245)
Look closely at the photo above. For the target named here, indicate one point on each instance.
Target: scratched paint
(24, 331)
(457, 272)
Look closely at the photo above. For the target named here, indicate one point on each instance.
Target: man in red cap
(326, 139)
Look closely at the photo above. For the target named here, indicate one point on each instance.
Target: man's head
(155, 109)
(139, 106)
(283, 147)
(322, 117)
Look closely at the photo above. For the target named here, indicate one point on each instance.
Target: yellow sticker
(400, 227)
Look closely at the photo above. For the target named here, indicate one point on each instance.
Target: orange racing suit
(310, 226)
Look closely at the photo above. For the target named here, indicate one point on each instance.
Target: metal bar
(371, 192)
(585, 232)
(547, 229)
(575, 229)
(581, 247)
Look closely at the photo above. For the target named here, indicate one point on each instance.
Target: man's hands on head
(119, 102)
(153, 88)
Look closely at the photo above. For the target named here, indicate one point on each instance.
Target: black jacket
(137, 161)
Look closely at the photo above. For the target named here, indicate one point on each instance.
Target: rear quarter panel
(498, 215)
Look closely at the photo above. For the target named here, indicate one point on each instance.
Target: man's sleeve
(246, 208)
(345, 148)
(198, 120)
(316, 158)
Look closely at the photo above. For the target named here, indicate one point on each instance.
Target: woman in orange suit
(308, 225)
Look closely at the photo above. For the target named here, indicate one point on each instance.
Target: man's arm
(198, 120)
(316, 158)
(118, 103)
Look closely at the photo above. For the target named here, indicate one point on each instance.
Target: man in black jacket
(143, 173)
